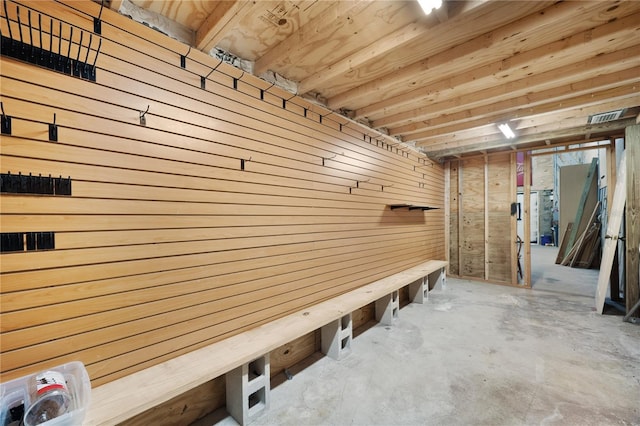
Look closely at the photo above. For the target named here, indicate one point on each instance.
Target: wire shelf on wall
(30, 37)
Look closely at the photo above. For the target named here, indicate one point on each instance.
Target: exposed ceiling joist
(603, 129)
(516, 108)
(225, 15)
(591, 67)
(311, 33)
(475, 51)
(444, 80)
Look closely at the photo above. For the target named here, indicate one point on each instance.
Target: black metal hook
(183, 59)
(53, 130)
(80, 45)
(203, 79)
(243, 161)
(101, 7)
(235, 81)
(97, 23)
(51, 35)
(284, 101)
(70, 42)
(86, 58)
(96, 57)
(143, 119)
(6, 121)
(262, 91)
(40, 29)
(59, 37)
(6, 15)
(216, 67)
(328, 158)
(19, 23)
(30, 29)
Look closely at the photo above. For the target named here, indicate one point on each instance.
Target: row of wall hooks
(305, 110)
(6, 126)
(34, 39)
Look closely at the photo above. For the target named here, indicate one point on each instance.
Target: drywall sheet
(572, 180)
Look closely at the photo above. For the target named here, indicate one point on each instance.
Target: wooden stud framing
(527, 220)
(447, 212)
(486, 217)
(513, 231)
(632, 222)
(460, 216)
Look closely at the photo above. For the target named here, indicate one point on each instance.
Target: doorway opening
(567, 211)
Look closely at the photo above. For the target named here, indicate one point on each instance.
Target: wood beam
(226, 15)
(484, 133)
(442, 13)
(526, 103)
(315, 29)
(577, 47)
(395, 40)
(526, 33)
(441, 102)
(613, 127)
(503, 111)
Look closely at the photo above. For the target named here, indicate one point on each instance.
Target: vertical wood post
(632, 218)
(460, 218)
(527, 219)
(486, 217)
(513, 191)
(447, 211)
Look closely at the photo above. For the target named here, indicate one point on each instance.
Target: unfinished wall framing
(481, 227)
(204, 202)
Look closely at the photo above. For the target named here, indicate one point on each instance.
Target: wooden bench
(116, 401)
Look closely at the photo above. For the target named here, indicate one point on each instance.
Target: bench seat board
(118, 400)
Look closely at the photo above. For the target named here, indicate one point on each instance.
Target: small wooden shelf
(411, 207)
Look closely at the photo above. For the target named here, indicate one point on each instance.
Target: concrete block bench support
(419, 290)
(387, 308)
(119, 400)
(336, 337)
(438, 279)
(248, 388)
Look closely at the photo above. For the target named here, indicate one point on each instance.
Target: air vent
(605, 116)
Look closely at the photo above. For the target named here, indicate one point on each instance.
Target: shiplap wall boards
(205, 202)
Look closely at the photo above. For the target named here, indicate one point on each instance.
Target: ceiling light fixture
(429, 5)
(506, 130)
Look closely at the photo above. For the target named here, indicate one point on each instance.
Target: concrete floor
(477, 354)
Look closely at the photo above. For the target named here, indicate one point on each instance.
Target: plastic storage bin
(20, 394)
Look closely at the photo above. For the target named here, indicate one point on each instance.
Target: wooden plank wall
(632, 219)
(234, 205)
(500, 239)
(481, 240)
(472, 224)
